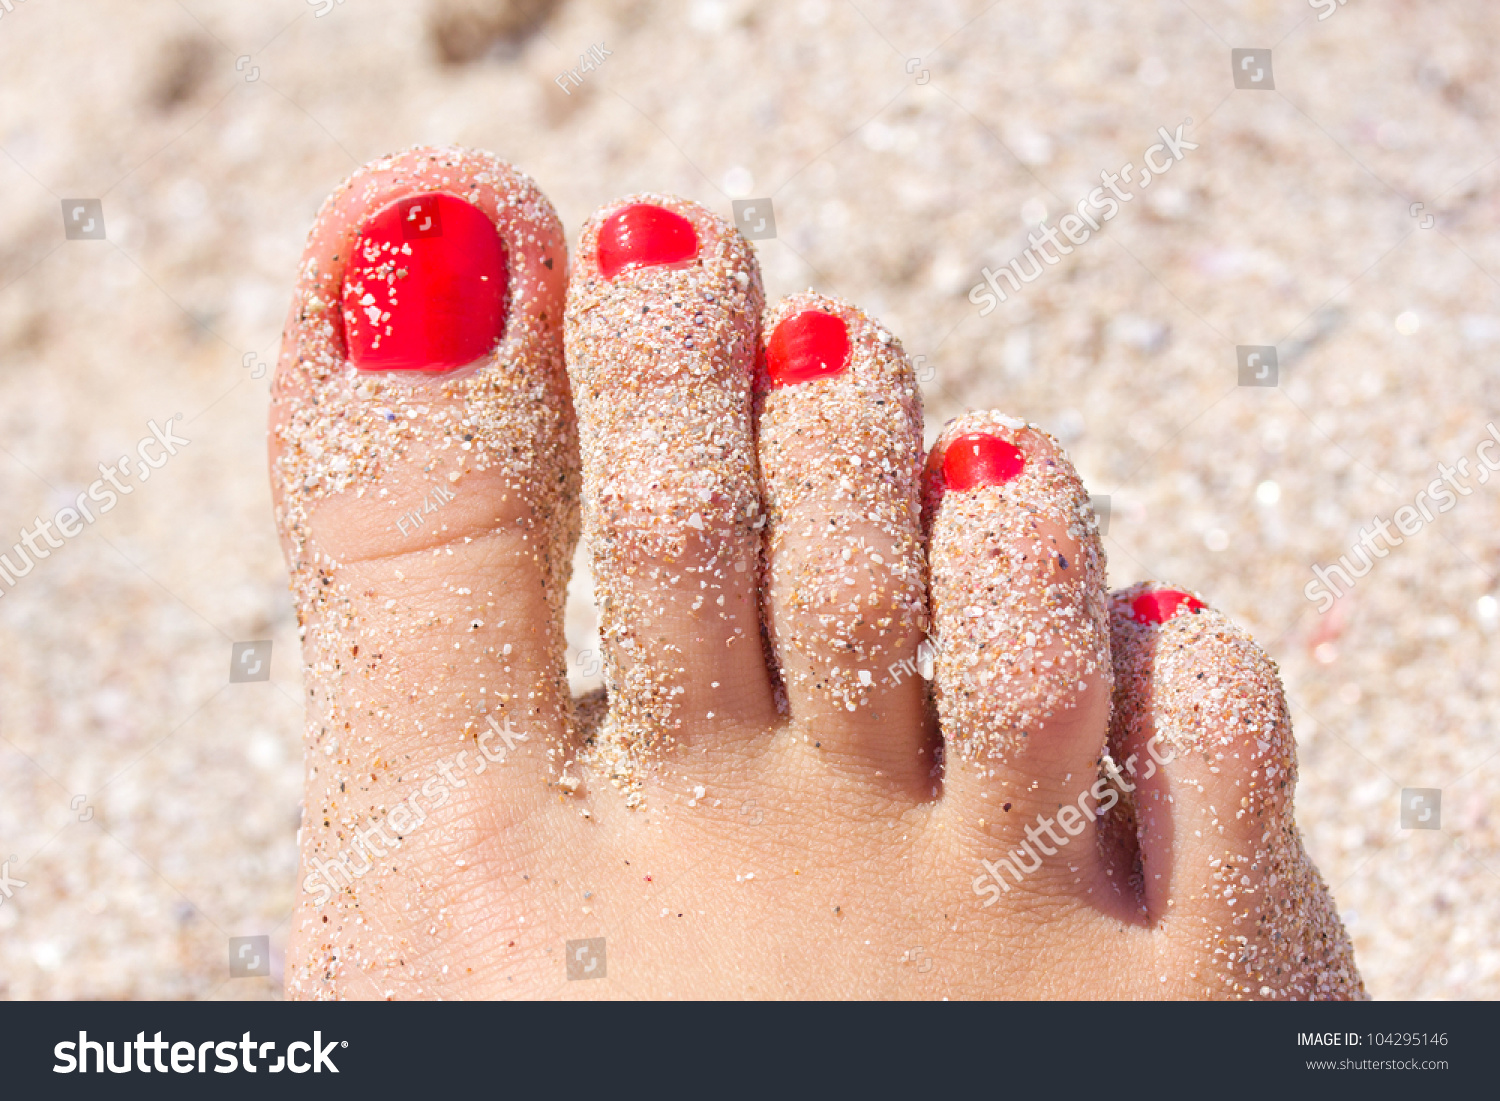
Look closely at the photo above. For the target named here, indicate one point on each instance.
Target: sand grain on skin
(1017, 594)
(660, 360)
(342, 434)
(1201, 686)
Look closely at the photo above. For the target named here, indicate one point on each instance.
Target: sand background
(894, 181)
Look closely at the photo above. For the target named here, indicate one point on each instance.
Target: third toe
(840, 436)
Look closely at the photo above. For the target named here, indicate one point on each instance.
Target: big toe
(424, 469)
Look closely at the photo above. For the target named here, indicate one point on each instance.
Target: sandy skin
(748, 815)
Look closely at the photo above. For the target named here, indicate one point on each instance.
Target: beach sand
(151, 807)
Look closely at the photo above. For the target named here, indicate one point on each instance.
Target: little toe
(840, 438)
(1202, 743)
(663, 317)
(1019, 611)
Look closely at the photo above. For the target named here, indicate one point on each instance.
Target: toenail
(978, 459)
(644, 236)
(426, 287)
(810, 345)
(1162, 605)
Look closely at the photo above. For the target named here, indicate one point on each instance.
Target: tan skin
(852, 869)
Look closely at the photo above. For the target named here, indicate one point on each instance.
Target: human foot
(758, 811)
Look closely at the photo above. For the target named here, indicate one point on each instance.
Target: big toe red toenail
(426, 287)
(810, 345)
(1162, 605)
(978, 459)
(643, 236)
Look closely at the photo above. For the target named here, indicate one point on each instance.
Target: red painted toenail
(978, 459)
(426, 287)
(1162, 605)
(643, 236)
(810, 345)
